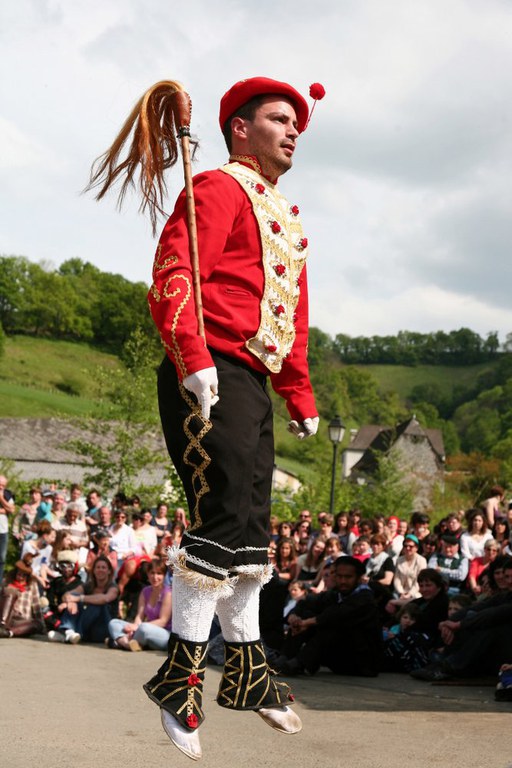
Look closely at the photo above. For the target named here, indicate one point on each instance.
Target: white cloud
(402, 178)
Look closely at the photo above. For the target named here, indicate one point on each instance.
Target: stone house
(417, 451)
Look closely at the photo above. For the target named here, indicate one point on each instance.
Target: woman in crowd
(473, 540)
(501, 531)
(89, 608)
(479, 564)
(409, 564)
(151, 626)
(310, 563)
(395, 539)
(342, 531)
(20, 609)
(161, 521)
(284, 530)
(285, 560)
(122, 537)
(101, 547)
(379, 567)
(492, 506)
(301, 532)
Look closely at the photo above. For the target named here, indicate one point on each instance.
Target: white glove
(204, 385)
(307, 428)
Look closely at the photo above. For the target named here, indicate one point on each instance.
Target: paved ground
(83, 706)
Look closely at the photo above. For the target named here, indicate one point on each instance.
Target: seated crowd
(357, 595)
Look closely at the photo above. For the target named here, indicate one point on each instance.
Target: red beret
(245, 90)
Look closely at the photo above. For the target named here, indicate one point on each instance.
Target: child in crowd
(405, 649)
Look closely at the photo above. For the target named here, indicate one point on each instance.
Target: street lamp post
(336, 429)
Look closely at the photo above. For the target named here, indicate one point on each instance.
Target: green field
(402, 379)
(40, 378)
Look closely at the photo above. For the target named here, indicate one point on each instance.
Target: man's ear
(239, 128)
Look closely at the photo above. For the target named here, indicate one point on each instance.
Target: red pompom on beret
(245, 90)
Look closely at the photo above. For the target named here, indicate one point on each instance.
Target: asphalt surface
(65, 706)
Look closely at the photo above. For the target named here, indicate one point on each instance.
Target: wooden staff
(182, 110)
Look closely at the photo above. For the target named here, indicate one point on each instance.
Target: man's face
(271, 135)
(3, 483)
(93, 499)
(507, 578)
(450, 550)
(346, 579)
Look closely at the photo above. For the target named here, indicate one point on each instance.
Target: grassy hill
(41, 377)
(402, 379)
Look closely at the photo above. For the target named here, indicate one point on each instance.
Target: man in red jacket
(214, 404)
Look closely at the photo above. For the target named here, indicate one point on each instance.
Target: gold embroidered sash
(284, 252)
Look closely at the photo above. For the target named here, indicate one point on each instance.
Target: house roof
(374, 439)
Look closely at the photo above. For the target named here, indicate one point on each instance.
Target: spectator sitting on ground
(432, 604)
(76, 528)
(104, 524)
(479, 564)
(395, 539)
(326, 522)
(409, 564)
(492, 506)
(20, 607)
(151, 626)
(302, 535)
(284, 530)
(473, 540)
(123, 540)
(68, 580)
(161, 521)
(454, 524)
(361, 549)
(146, 534)
(101, 547)
(296, 591)
(342, 531)
(285, 560)
(431, 546)
(457, 604)
(341, 631)
(93, 501)
(75, 497)
(367, 527)
(477, 640)
(177, 531)
(450, 564)
(89, 608)
(324, 580)
(501, 531)
(420, 523)
(310, 563)
(41, 549)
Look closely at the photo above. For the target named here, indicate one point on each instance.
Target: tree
(123, 441)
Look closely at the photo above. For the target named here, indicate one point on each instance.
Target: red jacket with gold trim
(232, 287)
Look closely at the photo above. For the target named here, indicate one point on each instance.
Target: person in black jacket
(477, 639)
(338, 629)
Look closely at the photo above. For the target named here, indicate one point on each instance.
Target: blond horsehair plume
(160, 115)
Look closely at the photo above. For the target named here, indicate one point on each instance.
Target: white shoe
(55, 637)
(284, 719)
(187, 741)
(72, 637)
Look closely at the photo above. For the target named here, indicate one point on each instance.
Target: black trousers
(225, 465)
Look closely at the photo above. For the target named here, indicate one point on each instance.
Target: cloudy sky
(403, 178)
